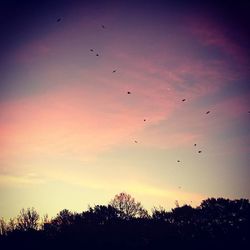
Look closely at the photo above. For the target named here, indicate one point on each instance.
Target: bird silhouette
(136, 141)
(144, 120)
(183, 100)
(58, 20)
(207, 112)
(128, 92)
(103, 26)
(199, 151)
(195, 144)
(91, 50)
(97, 54)
(114, 71)
(178, 161)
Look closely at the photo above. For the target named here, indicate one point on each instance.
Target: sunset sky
(68, 127)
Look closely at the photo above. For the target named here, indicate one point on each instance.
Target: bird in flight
(207, 112)
(103, 26)
(178, 161)
(128, 92)
(183, 100)
(58, 20)
(195, 144)
(91, 50)
(136, 141)
(114, 71)
(144, 120)
(97, 54)
(199, 151)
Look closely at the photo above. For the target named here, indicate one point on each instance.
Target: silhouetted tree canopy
(124, 224)
(27, 219)
(63, 218)
(127, 207)
(101, 214)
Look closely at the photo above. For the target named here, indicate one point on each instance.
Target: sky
(72, 136)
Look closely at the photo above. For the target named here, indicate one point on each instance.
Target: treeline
(125, 224)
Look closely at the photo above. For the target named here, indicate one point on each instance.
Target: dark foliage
(215, 224)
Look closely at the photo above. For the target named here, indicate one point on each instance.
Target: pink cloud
(33, 51)
(213, 34)
(188, 76)
(91, 107)
(71, 119)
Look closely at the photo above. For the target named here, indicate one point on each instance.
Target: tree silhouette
(101, 214)
(64, 217)
(127, 207)
(183, 214)
(12, 225)
(44, 220)
(3, 227)
(27, 219)
(160, 214)
(217, 223)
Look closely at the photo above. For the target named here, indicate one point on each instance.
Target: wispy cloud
(30, 179)
(215, 35)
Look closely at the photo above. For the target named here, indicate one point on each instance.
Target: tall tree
(127, 207)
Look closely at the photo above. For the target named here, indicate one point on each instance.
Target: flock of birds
(129, 92)
(183, 100)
